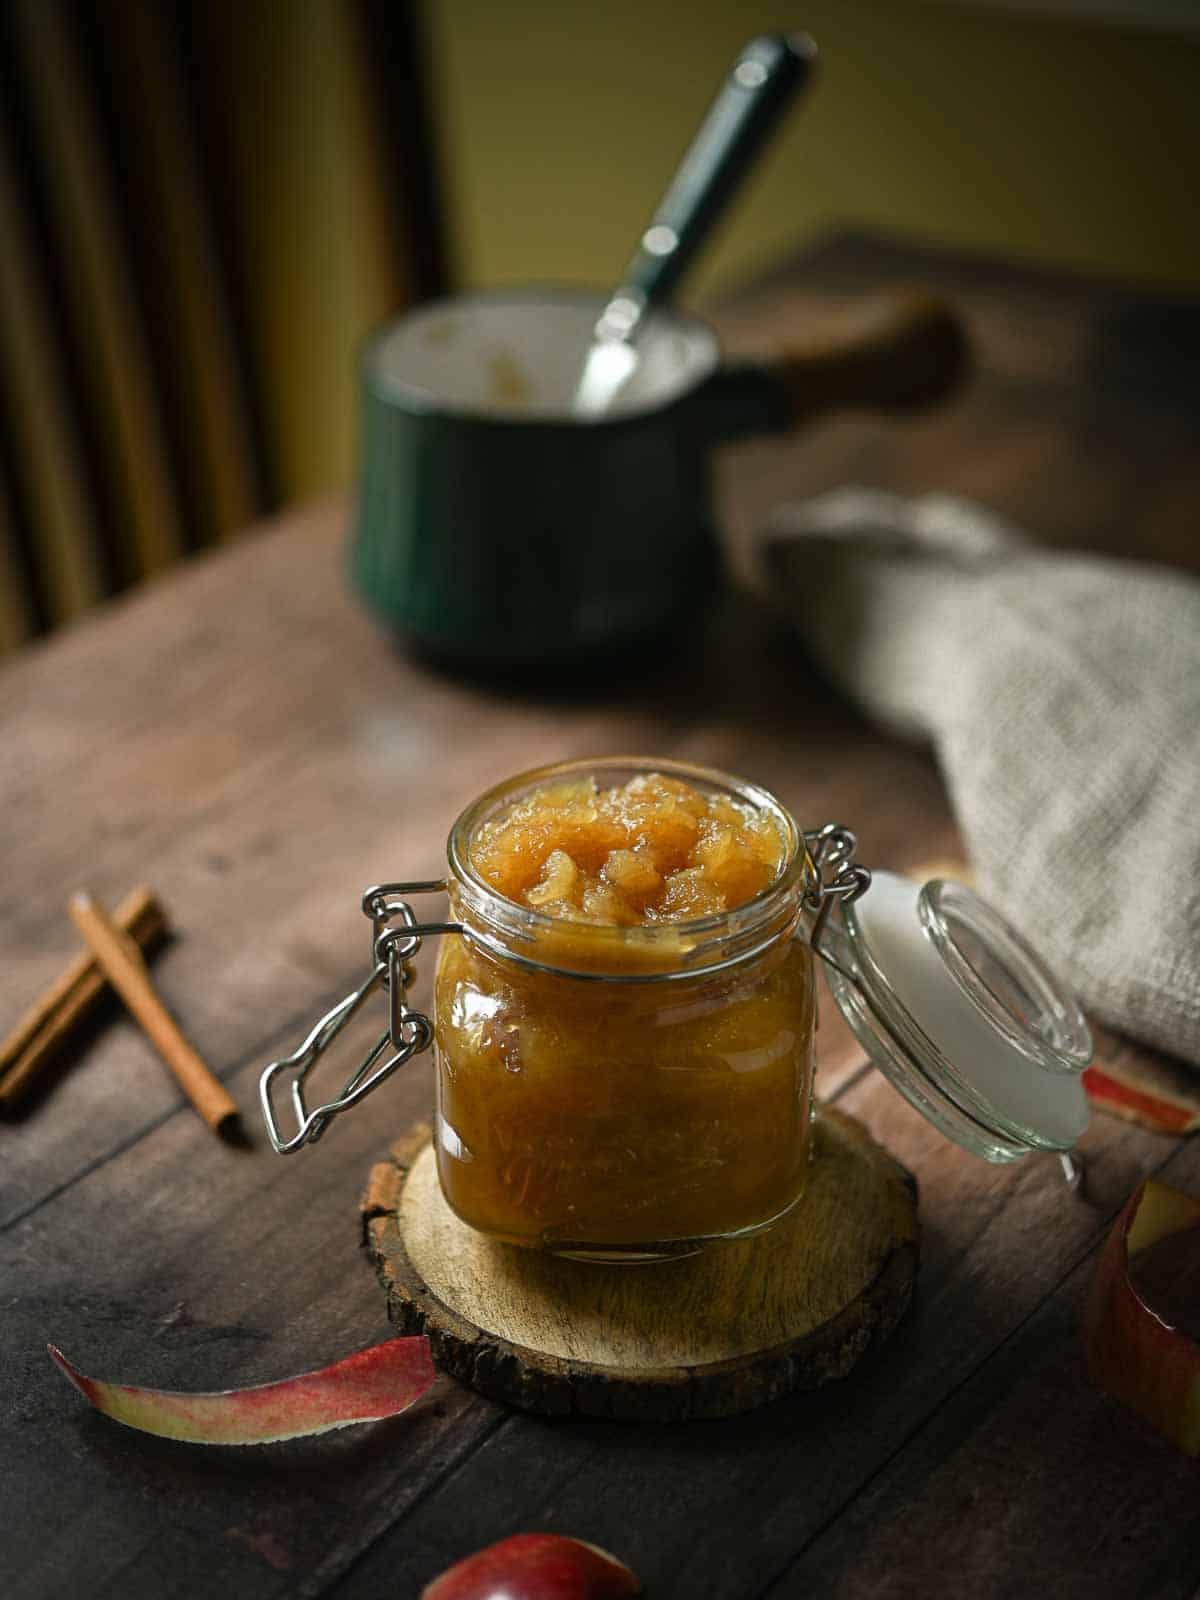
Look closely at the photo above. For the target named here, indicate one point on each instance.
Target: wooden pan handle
(896, 351)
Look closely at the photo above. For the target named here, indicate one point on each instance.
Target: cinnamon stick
(121, 961)
(50, 1021)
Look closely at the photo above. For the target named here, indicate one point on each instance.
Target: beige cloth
(1061, 694)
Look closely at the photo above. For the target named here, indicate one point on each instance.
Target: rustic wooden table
(240, 735)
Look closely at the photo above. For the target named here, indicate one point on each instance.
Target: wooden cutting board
(706, 1336)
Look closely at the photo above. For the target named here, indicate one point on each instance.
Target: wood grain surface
(730, 1328)
(241, 736)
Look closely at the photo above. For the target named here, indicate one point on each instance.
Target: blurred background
(206, 204)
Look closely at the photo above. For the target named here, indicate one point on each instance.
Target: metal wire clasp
(396, 937)
(839, 878)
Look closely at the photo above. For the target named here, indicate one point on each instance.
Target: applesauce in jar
(625, 1026)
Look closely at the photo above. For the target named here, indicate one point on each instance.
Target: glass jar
(623, 1092)
(630, 1093)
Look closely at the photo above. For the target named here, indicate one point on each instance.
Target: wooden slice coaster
(706, 1336)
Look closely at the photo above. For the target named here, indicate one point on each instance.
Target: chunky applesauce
(625, 1027)
(652, 850)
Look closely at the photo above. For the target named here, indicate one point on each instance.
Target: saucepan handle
(897, 351)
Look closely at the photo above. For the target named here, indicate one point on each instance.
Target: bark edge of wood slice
(709, 1335)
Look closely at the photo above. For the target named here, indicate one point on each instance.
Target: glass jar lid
(960, 1014)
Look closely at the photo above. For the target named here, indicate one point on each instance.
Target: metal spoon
(766, 74)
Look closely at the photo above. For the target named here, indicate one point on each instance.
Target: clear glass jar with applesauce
(624, 1010)
(617, 1079)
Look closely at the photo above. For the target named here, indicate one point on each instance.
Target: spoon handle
(766, 74)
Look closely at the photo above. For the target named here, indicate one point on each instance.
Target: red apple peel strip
(1151, 1108)
(1132, 1353)
(536, 1566)
(365, 1387)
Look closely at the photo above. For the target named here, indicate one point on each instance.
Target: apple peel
(1142, 1102)
(536, 1566)
(1133, 1352)
(378, 1382)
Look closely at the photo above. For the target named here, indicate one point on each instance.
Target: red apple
(1134, 1350)
(536, 1566)
(377, 1382)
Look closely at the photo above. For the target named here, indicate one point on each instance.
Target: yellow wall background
(307, 193)
(1068, 143)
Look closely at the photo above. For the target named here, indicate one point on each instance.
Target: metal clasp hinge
(396, 937)
(839, 881)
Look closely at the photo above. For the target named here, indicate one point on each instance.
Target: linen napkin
(1061, 694)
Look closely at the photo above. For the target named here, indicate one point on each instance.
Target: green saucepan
(496, 526)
